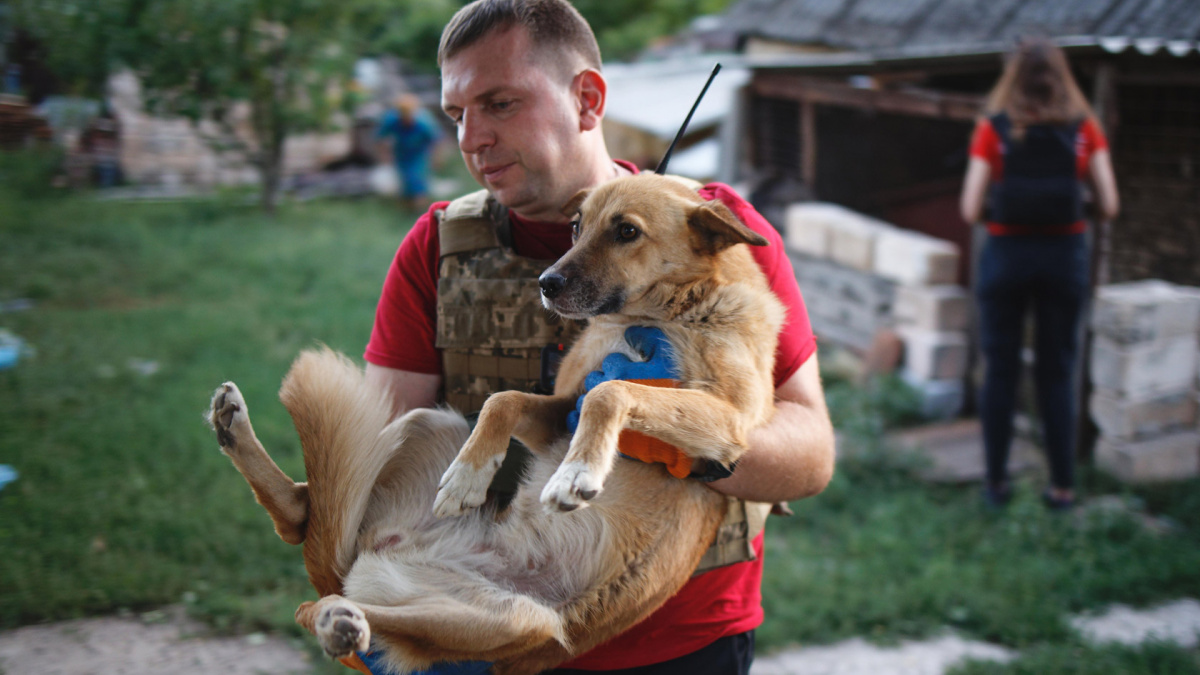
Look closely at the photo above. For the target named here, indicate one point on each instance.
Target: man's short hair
(554, 27)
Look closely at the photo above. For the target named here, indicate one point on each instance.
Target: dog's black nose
(552, 284)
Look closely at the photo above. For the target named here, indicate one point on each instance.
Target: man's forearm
(791, 457)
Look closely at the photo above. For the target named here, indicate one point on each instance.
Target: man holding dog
(521, 79)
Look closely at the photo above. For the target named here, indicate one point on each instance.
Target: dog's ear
(572, 206)
(717, 228)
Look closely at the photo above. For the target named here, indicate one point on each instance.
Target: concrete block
(914, 258)
(1162, 458)
(941, 308)
(934, 355)
(940, 399)
(1144, 370)
(828, 330)
(806, 226)
(1121, 418)
(852, 241)
(845, 305)
(1145, 311)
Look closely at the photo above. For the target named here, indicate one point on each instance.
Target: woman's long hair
(1037, 87)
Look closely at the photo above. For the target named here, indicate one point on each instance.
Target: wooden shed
(870, 104)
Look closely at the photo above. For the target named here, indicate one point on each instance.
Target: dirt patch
(160, 642)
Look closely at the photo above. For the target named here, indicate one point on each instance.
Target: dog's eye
(575, 228)
(628, 233)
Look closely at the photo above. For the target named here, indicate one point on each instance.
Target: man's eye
(501, 106)
(628, 233)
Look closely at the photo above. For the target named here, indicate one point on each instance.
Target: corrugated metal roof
(923, 56)
(888, 25)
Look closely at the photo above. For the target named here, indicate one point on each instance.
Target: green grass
(123, 499)
(885, 555)
(125, 504)
(1071, 659)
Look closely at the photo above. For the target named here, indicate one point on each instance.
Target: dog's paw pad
(463, 487)
(227, 413)
(571, 487)
(342, 629)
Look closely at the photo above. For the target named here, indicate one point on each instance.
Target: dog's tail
(339, 419)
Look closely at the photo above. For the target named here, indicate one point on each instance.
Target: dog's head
(631, 236)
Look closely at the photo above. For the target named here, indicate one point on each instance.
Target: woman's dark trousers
(1050, 275)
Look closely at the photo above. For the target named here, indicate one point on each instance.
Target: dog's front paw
(464, 487)
(228, 416)
(571, 487)
(340, 627)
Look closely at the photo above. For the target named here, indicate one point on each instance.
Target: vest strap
(466, 224)
(743, 522)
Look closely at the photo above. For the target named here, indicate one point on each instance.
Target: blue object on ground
(10, 349)
(7, 475)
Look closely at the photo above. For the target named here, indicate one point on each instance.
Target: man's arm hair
(406, 389)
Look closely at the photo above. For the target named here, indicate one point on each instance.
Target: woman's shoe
(1056, 503)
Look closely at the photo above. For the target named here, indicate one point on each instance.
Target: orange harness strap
(639, 446)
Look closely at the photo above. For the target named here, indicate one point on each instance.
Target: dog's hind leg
(285, 500)
(497, 624)
(533, 419)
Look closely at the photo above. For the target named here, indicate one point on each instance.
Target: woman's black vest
(1040, 184)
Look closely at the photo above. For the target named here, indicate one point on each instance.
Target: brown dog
(543, 580)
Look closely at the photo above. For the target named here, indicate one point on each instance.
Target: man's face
(518, 123)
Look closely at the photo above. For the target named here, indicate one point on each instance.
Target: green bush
(30, 173)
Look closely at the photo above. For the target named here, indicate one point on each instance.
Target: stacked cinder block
(860, 275)
(1144, 368)
(832, 250)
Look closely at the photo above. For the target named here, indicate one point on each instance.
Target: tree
(288, 59)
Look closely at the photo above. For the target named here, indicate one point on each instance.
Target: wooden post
(808, 145)
(1104, 102)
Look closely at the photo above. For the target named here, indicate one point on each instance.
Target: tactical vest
(495, 335)
(1039, 185)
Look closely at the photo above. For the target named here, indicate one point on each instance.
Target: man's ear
(715, 228)
(572, 206)
(591, 96)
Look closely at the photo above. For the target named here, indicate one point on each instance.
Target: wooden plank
(808, 145)
(915, 102)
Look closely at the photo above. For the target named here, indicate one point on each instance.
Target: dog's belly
(548, 555)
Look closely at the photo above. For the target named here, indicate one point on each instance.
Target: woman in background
(1030, 153)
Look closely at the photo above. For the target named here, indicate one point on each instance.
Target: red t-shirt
(986, 145)
(722, 602)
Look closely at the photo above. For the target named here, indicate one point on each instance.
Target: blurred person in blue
(1031, 154)
(413, 135)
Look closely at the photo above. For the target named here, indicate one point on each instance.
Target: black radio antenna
(662, 166)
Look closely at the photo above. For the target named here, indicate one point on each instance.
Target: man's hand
(656, 369)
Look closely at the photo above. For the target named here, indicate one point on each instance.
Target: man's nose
(474, 134)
